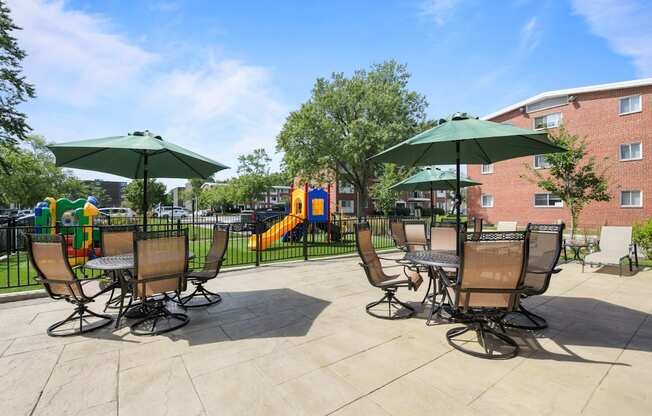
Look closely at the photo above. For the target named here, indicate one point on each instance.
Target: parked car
(118, 212)
(172, 212)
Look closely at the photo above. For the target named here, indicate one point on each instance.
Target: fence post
(258, 226)
(306, 225)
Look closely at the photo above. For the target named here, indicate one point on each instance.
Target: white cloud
(531, 33)
(625, 24)
(438, 10)
(73, 56)
(91, 81)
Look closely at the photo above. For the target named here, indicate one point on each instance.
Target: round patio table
(121, 265)
(437, 260)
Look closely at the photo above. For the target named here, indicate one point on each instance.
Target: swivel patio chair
(477, 225)
(161, 264)
(47, 253)
(416, 238)
(615, 246)
(389, 284)
(117, 240)
(544, 251)
(398, 234)
(212, 265)
(443, 236)
(489, 283)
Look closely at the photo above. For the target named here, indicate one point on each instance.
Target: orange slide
(275, 232)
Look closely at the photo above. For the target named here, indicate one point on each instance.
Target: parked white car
(171, 212)
(118, 212)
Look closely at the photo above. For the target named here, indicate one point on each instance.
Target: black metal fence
(250, 242)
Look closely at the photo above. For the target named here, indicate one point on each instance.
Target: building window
(485, 169)
(540, 162)
(631, 199)
(346, 188)
(487, 201)
(548, 121)
(347, 206)
(631, 151)
(628, 105)
(547, 201)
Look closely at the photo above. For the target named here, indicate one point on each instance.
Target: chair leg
(503, 349)
(428, 290)
(80, 312)
(538, 323)
(392, 302)
(186, 301)
(156, 311)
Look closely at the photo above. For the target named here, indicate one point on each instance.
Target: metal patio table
(120, 265)
(437, 260)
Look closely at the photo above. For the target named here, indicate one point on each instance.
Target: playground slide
(275, 232)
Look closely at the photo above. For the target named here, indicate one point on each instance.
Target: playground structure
(72, 219)
(311, 205)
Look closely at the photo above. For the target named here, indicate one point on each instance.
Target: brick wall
(595, 116)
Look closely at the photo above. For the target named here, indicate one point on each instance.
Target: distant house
(615, 119)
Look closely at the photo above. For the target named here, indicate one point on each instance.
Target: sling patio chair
(615, 246)
(443, 236)
(397, 233)
(506, 226)
(117, 240)
(47, 253)
(378, 278)
(211, 268)
(161, 264)
(544, 251)
(416, 238)
(477, 225)
(488, 286)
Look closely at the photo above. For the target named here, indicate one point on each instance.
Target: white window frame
(534, 201)
(631, 206)
(487, 172)
(546, 165)
(534, 121)
(620, 151)
(640, 104)
(347, 209)
(346, 188)
(482, 201)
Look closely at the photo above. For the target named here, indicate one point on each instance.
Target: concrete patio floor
(295, 339)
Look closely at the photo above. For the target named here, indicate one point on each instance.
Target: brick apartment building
(615, 119)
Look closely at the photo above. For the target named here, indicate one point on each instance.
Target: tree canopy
(577, 180)
(156, 193)
(348, 120)
(14, 89)
(384, 197)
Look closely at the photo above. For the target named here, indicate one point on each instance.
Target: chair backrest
(506, 226)
(543, 255)
(217, 251)
(161, 261)
(398, 233)
(415, 235)
(615, 239)
(370, 261)
(477, 225)
(491, 260)
(443, 237)
(47, 253)
(117, 240)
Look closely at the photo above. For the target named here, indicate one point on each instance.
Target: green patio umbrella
(432, 180)
(139, 155)
(465, 139)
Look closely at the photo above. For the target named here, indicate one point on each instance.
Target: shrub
(643, 236)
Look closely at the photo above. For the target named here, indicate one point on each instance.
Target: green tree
(253, 176)
(571, 176)
(217, 197)
(384, 197)
(14, 89)
(156, 193)
(348, 120)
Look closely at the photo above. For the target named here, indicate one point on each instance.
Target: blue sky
(220, 77)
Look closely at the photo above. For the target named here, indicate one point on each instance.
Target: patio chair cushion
(606, 257)
(393, 281)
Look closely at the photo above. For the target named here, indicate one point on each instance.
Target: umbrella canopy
(465, 139)
(140, 155)
(479, 141)
(432, 180)
(429, 179)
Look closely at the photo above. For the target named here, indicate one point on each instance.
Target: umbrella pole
(458, 196)
(432, 207)
(145, 193)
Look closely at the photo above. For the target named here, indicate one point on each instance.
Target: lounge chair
(398, 234)
(544, 251)
(212, 265)
(506, 226)
(615, 246)
(47, 254)
(161, 264)
(488, 285)
(378, 278)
